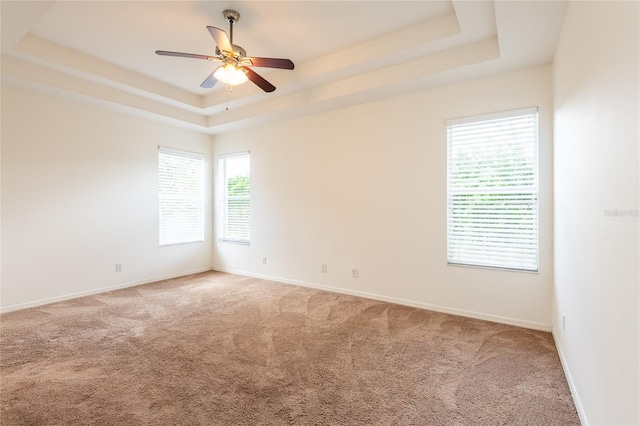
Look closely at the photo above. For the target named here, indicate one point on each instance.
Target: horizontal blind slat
(181, 196)
(235, 202)
(492, 191)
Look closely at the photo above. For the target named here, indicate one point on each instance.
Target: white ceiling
(345, 52)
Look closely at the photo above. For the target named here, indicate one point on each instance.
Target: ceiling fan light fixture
(237, 67)
(230, 74)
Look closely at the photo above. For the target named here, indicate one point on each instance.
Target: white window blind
(492, 190)
(235, 197)
(181, 196)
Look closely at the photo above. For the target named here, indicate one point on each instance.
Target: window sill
(242, 243)
(495, 268)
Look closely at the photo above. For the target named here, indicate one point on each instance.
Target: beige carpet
(221, 349)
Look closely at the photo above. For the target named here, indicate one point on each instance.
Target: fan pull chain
(226, 97)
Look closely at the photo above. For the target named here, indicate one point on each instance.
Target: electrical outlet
(564, 321)
(264, 260)
(354, 273)
(118, 267)
(324, 268)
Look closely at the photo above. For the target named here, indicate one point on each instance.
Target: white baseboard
(443, 309)
(572, 387)
(91, 292)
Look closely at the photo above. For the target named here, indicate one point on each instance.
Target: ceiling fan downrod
(232, 17)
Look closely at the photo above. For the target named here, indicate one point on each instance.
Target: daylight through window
(492, 190)
(235, 197)
(181, 196)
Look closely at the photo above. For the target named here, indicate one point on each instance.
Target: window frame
(197, 197)
(223, 200)
(463, 246)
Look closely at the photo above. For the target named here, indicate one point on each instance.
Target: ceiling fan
(236, 64)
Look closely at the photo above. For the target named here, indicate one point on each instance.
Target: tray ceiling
(345, 53)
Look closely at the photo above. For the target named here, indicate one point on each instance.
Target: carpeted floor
(221, 349)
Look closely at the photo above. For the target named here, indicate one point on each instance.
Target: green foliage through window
(235, 199)
(492, 191)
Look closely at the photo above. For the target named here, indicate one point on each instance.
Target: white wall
(365, 188)
(80, 193)
(596, 95)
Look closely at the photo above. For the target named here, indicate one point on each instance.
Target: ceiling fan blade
(184, 55)
(221, 38)
(284, 64)
(210, 81)
(258, 80)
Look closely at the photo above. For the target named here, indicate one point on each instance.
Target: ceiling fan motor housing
(239, 51)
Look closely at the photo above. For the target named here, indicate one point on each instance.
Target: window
(235, 197)
(181, 195)
(492, 190)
